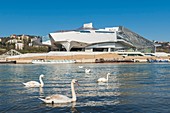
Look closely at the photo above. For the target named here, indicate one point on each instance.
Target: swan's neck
(41, 82)
(107, 77)
(73, 93)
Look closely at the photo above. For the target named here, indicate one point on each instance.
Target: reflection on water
(131, 88)
(71, 105)
(41, 92)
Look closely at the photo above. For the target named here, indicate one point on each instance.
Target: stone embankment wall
(85, 58)
(78, 58)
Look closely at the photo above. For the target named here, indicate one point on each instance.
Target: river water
(132, 88)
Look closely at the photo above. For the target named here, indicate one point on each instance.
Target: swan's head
(108, 73)
(75, 81)
(42, 76)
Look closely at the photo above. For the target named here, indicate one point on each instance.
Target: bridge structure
(11, 52)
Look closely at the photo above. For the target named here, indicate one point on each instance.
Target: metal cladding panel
(135, 39)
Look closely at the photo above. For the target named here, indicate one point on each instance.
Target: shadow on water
(67, 107)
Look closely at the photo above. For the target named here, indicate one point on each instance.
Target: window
(104, 31)
(84, 31)
(100, 49)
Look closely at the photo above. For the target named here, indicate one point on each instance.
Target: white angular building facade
(109, 39)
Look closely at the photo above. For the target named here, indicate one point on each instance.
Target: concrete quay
(80, 57)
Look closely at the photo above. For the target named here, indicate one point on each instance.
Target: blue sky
(148, 18)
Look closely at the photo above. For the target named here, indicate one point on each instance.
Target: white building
(19, 46)
(108, 39)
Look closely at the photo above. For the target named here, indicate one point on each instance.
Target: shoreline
(83, 58)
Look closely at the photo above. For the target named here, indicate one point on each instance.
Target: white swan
(80, 66)
(59, 99)
(35, 83)
(87, 71)
(104, 79)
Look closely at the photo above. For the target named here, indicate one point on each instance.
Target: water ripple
(131, 88)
